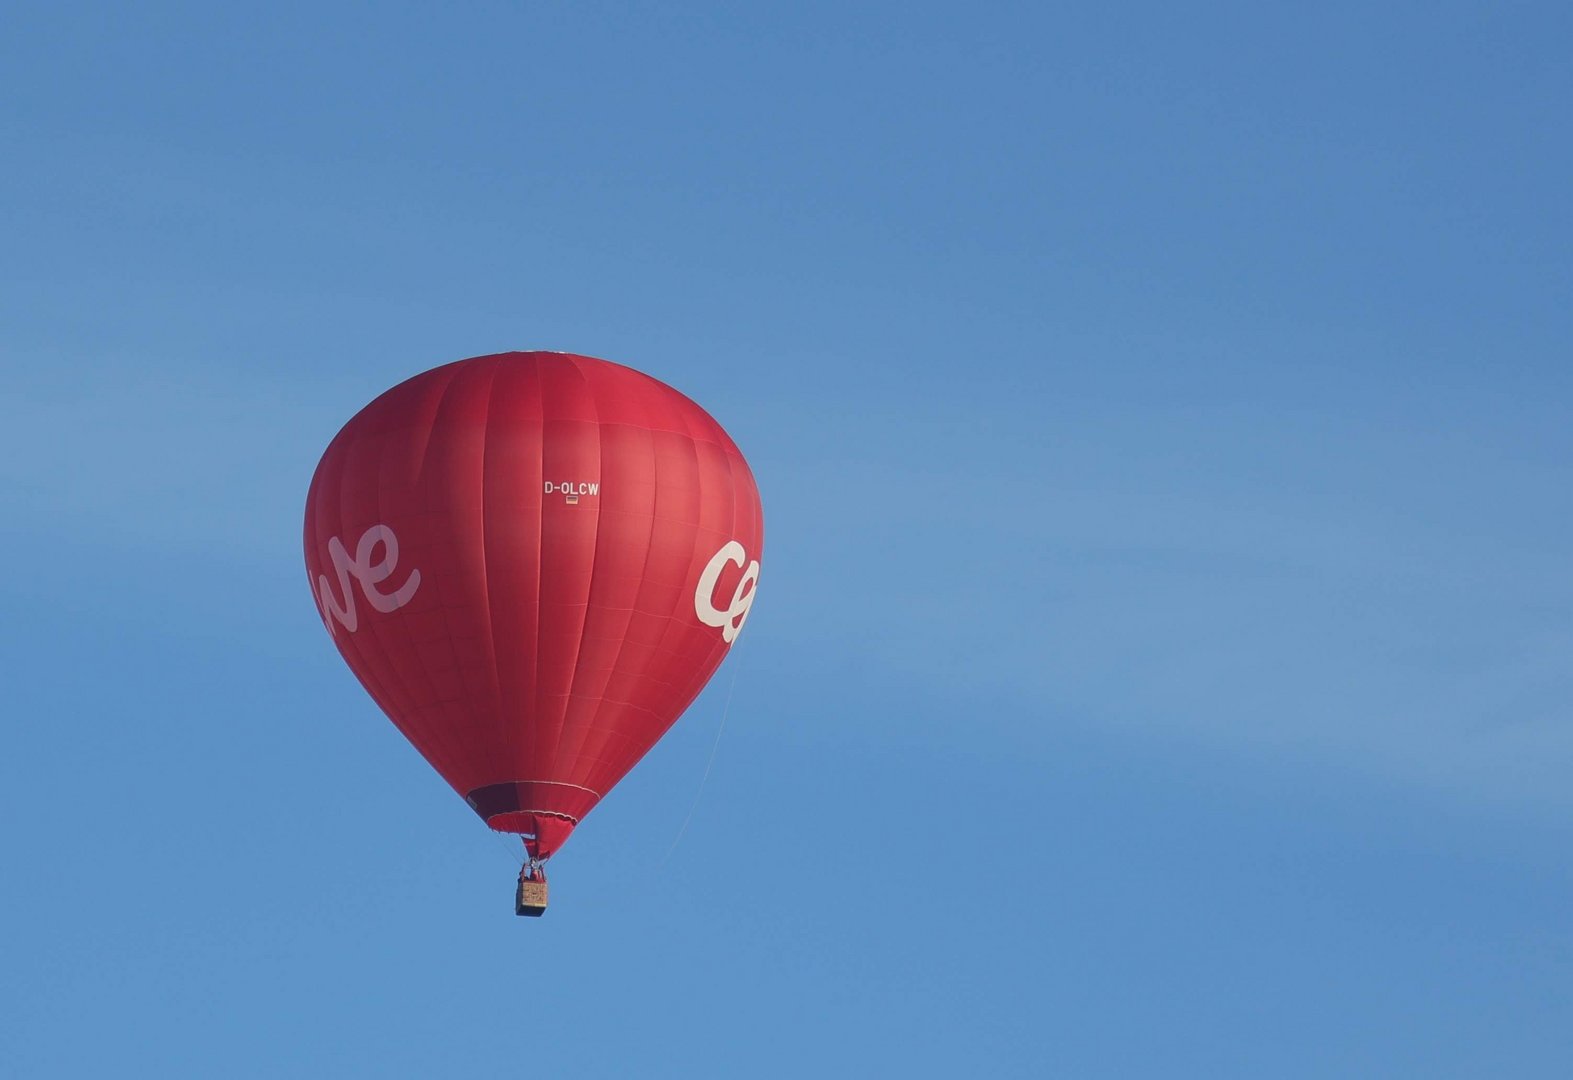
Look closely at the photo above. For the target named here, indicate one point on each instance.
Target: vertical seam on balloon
(689, 690)
(491, 620)
(673, 621)
(595, 554)
(516, 701)
(382, 692)
(416, 699)
(732, 456)
(442, 734)
(391, 680)
(644, 573)
(538, 746)
(593, 758)
(696, 687)
(671, 717)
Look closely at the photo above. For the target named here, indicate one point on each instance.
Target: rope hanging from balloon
(699, 792)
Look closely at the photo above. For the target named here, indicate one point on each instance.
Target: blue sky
(1162, 418)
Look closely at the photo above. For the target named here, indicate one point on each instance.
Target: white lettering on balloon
(569, 487)
(370, 574)
(731, 618)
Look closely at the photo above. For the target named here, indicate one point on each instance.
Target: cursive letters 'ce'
(730, 621)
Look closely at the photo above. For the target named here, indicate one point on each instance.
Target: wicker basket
(531, 899)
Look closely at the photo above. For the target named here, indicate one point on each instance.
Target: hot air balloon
(533, 562)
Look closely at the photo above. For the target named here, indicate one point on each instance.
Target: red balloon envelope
(533, 562)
